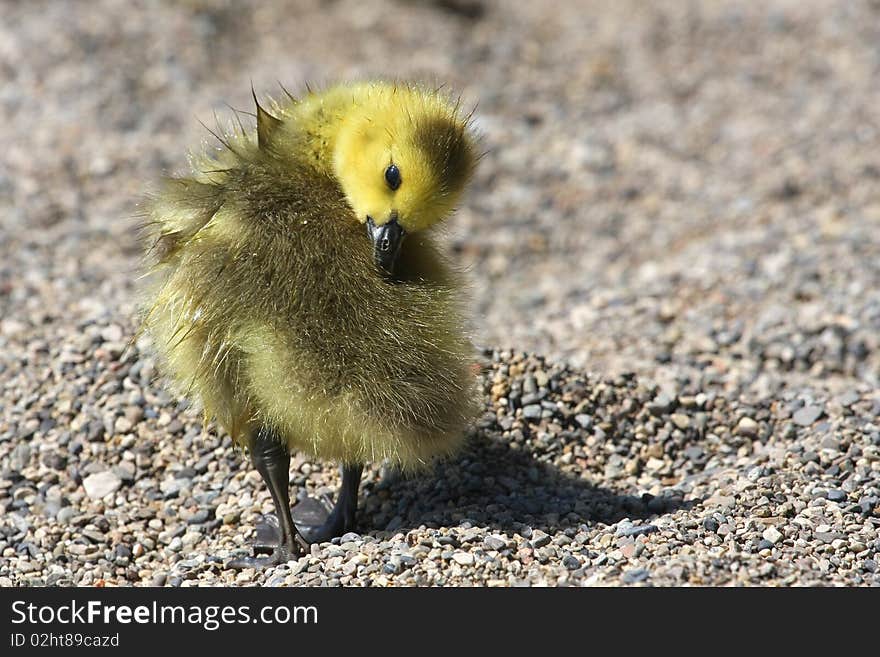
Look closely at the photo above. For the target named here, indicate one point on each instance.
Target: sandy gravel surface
(678, 218)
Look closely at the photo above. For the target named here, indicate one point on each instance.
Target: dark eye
(392, 176)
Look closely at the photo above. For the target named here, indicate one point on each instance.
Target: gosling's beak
(386, 239)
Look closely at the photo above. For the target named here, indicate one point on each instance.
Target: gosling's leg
(271, 458)
(312, 518)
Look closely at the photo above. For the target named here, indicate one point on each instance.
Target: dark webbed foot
(272, 460)
(319, 524)
(267, 535)
(310, 513)
(316, 521)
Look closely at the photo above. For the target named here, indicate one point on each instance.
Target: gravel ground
(678, 211)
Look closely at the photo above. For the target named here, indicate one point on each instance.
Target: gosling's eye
(392, 176)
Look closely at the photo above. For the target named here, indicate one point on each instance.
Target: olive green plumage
(266, 302)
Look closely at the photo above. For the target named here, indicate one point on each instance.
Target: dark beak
(386, 239)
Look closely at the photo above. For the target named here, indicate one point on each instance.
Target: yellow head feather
(419, 132)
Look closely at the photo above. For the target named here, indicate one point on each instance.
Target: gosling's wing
(176, 213)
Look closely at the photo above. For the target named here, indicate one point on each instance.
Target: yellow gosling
(298, 294)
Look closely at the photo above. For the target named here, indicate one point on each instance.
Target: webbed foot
(267, 535)
(315, 519)
(317, 523)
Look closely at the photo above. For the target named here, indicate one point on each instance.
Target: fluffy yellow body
(266, 302)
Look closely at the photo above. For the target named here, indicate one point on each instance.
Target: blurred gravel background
(678, 213)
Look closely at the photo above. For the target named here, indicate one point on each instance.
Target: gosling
(298, 294)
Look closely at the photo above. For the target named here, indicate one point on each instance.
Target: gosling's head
(403, 161)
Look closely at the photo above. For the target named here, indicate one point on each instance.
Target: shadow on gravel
(492, 484)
